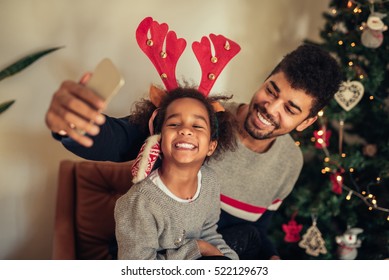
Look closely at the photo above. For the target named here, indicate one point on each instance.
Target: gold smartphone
(106, 80)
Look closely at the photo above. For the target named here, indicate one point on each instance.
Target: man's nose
(273, 108)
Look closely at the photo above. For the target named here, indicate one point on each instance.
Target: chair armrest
(64, 226)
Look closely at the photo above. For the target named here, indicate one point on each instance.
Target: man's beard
(255, 132)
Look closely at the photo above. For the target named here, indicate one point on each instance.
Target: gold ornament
(211, 76)
(370, 150)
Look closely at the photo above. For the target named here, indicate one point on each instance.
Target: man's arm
(74, 118)
(117, 141)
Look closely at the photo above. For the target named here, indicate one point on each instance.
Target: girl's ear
(212, 147)
(306, 123)
(151, 121)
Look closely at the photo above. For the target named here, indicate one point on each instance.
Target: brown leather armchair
(86, 197)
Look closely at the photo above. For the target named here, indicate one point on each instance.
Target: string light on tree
(336, 177)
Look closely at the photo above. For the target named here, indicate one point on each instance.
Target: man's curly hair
(313, 70)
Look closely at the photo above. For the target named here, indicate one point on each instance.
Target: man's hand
(207, 249)
(73, 109)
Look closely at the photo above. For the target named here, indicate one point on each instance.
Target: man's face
(276, 109)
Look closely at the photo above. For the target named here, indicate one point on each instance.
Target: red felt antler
(212, 65)
(150, 36)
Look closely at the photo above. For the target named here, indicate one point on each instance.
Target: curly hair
(313, 70)
(222, 124)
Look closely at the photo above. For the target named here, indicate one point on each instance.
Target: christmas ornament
(370, 150)
(292, 230)
(322, 137)
(337, 182)
(372, 36)
(349, 94)
(312, 241)
(340, 27)
(348, 243)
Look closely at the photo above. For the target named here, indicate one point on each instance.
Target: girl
(172, 213)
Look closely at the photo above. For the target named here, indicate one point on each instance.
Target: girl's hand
(207, 249)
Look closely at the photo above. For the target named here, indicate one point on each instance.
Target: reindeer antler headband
(151, 37)
(164, 49)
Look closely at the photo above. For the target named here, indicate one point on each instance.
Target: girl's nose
(185, 131)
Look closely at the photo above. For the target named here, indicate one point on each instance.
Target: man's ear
(306, 123)
(212, 147)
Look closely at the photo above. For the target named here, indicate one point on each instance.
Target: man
(258, 175)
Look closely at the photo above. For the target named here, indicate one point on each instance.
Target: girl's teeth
(185, 146)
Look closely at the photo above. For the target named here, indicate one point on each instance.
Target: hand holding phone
(106, 80)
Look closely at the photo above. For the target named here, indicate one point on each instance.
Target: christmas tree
(343, 190)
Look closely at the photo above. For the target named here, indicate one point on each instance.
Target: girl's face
(186, 133)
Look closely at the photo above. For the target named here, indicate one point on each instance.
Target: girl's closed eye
(198, 126)
(173, 124)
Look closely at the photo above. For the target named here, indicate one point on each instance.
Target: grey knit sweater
(253, 183)
(152, 225)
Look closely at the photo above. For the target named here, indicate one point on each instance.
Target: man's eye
(270, 91)
(290, 111)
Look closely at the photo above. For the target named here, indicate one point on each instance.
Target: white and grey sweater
(252, 183)
(152, 225)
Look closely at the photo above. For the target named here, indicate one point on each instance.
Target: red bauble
(324, 136)
(337, 183)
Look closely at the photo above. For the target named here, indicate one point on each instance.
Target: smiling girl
(172, 213)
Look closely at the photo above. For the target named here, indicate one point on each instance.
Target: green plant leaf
(24, 62)
(5, 105)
